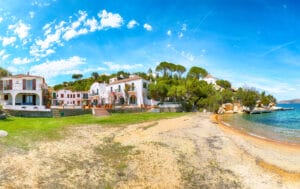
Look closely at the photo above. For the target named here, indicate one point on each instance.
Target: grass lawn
(24, 131)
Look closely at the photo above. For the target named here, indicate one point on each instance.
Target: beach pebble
(3, 133)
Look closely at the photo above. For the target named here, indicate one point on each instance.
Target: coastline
(218, 119)
(190, 151)
(268, 160)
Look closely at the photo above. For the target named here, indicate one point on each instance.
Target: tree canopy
(77, 76)
(190, 91)
(4, 72)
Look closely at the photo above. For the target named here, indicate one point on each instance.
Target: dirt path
(185, 152)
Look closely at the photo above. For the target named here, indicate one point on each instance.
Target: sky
(251, 43)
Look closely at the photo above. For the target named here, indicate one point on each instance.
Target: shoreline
(218, 119)
(265, 161)
(189, 151)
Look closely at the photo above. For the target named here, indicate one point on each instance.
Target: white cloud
(183, 27)
(13, 69)
(1, 19)
(42, 3)
(3, 55)
(31, 14)
(52, 69)
(169, 32)
(109, 19)
(71, 33)
(47, 26)
(8, 40)
(116, 67)
(92, 23)
(148, 27)
(188, 56)
(20, 29)
(2, 52)
(131, 24)
(180, 35)
(20, 61)
(65, 31)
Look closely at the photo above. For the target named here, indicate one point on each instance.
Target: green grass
(23, 131)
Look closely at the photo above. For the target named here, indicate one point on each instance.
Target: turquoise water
(281, 125)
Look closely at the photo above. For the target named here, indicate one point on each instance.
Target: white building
(23, 92)
(129, 91)
(98, 94)
(69, 98)
(210, 79)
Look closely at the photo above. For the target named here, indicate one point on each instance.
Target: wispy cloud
(3, 55)
(203, 19)
(279, 47)
(7, 40)
(169, 32)
(117, 67)
(20, 61)
(50, 69)
(31, 14)
(42, 3)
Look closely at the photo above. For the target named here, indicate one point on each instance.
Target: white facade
(22, 92)
(129, 91)
(69, 98)
(210, 79)
(98, 94)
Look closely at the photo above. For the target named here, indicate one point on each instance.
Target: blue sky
(253, 43)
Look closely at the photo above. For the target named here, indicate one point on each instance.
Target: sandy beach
(192, 151)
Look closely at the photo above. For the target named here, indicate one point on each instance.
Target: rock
(3, 133)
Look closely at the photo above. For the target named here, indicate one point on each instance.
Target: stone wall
(126, 110)
(74, 112)
(24, 113)
(62, 113)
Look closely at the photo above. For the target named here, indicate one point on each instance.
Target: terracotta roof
(24, 75)
(126, 80)
(210, 76)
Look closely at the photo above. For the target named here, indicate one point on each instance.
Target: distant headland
(293, 101)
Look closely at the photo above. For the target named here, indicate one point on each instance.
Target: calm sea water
(280, 125)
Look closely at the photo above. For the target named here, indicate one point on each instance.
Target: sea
(283, 126)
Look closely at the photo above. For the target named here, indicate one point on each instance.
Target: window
(132, 86)
(5, 97)
(119, 88)
(67, 95)
(74, 96)
(7, 84)
(61, 95)
(97, 91)
(85, 96)
(144, 85)
(78, 95)
(111, 89)
(54, 95)
(29, 84)
(29, 99)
